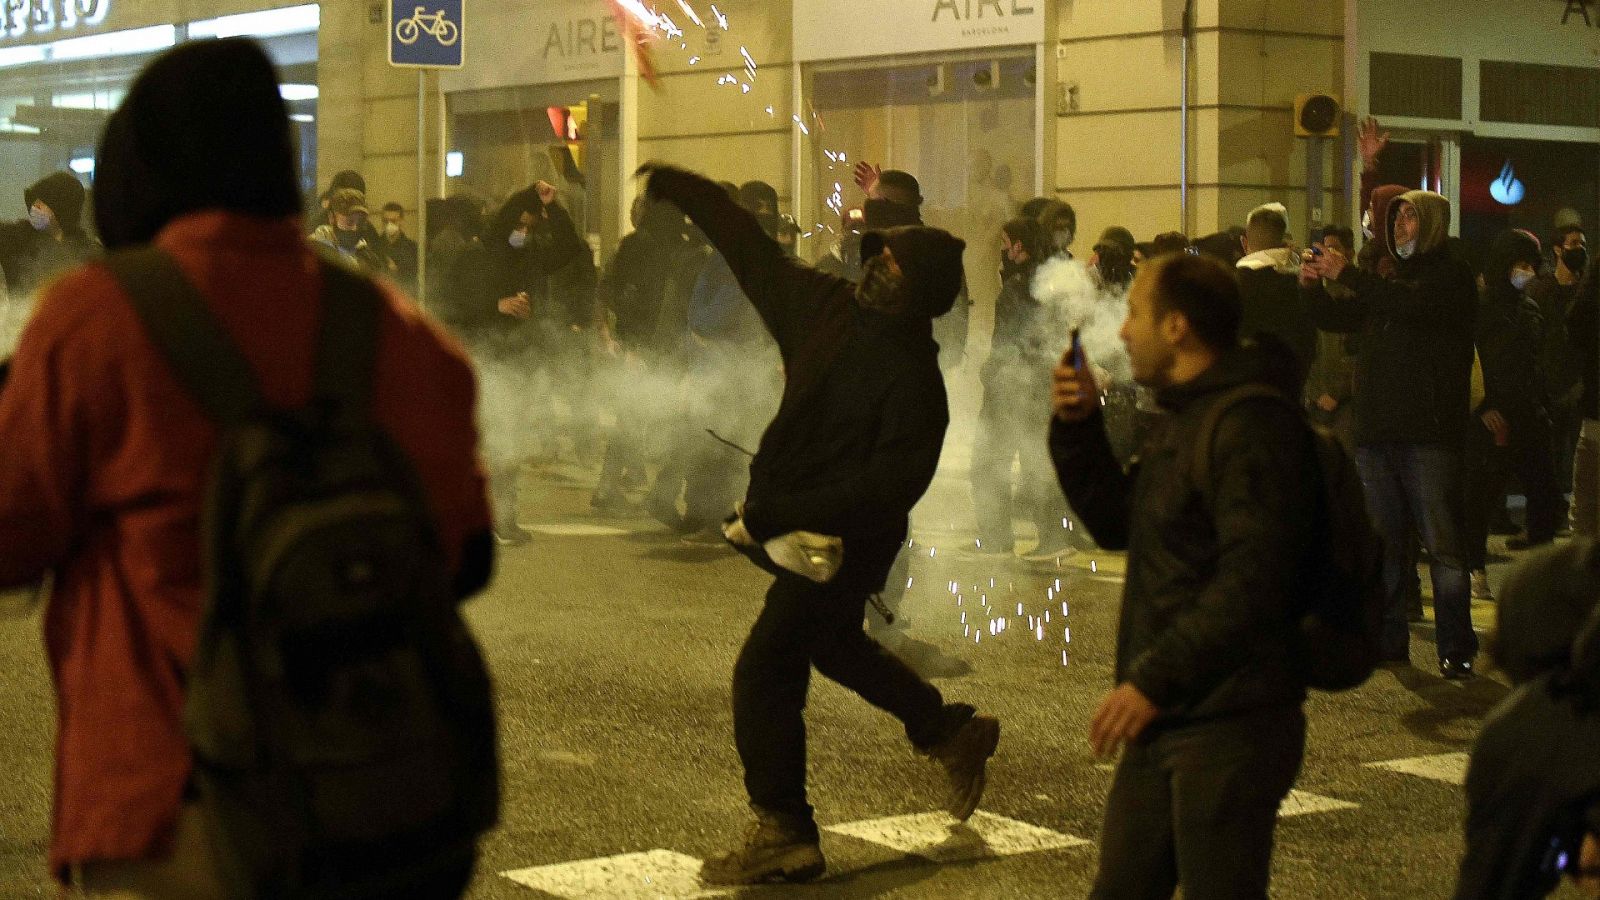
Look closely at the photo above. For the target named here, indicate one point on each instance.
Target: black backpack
(338, 709)
(1341, 629)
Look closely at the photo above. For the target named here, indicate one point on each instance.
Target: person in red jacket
(106, 453)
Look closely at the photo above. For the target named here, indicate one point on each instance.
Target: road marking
(658, 873)
(936, 836)
(578, 529)
(1450, 768)
(1303, 803)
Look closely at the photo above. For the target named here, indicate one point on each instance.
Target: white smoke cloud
(1074, 298)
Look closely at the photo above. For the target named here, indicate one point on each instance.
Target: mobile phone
(1075, 350)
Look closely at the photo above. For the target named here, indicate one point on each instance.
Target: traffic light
(1316, 115)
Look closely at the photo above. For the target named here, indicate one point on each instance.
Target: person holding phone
(1207, 704)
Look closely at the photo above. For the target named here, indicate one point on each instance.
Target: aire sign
(844, 29)
(23, 17)
(546, 42)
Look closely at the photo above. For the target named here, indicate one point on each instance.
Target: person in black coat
(1208, 698)
(1511, 427)
(1413, 381)
(50, 240)
(853, 447)
(1533, 779)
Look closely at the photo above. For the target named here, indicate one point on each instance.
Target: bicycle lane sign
(427, 34)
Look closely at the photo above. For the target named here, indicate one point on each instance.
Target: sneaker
(1456, 669)
(965, 757)
(774, 848)
(1049, 550)
(1480, 585)
(510, 535)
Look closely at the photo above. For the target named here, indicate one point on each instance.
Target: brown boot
(965, 757)
(775, 848)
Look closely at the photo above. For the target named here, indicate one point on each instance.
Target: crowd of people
(795, 412)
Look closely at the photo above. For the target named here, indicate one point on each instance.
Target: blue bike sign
(427, 33)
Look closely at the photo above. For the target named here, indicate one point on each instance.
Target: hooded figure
(1533, 780)
(853, 447)
(50, 240)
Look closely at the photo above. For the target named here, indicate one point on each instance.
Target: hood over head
(203, 127)
(930, 259)
(1544, 606)
(1433, 220)
(508, 217)
(63, 193)
(1383, 198)
(1509, 248)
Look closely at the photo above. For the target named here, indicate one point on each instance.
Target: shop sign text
(22, 17)
(577, 37)
(1585, 11)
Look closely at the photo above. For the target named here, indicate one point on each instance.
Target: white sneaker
(1480, 585)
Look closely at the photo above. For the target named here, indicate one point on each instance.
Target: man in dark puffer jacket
(853, 447)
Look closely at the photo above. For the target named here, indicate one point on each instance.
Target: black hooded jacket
(1509, 331)
(29, 257)
(857, 436)
(1414, 368)
(1211, 602)
(1534, 774)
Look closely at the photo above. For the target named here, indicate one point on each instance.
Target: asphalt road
(612, 643)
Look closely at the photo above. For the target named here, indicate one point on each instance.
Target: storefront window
(1526, 184)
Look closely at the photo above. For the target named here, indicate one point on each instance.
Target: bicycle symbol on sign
(443, 30)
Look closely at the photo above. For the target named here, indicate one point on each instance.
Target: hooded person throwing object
(853, 447)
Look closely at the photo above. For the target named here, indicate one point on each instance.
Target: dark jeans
(1196, 805)
(804, 624)
(1488, 468)
(1415, 489)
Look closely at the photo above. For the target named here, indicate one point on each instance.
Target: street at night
(611, 643)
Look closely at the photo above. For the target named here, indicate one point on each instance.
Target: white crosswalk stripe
(1302, 803)
(1450, 768)
(658, 873)
(937, 836)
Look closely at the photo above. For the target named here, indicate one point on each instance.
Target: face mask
(518, 240)
(1576, 259)
(880, 289)
(1521, 278)
(1405, 250)
(39, 219)
(391, 229)
(1366, 225)
(1063, 238)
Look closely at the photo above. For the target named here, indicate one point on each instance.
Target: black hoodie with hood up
(1509, 330)
(30, 257)
(858, 433)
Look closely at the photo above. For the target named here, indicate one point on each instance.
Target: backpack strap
(347, 344)
(201, 353)
(1207, 435)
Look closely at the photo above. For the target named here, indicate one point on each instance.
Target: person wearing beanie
(108, 458)
(852, 448)
(50, 240)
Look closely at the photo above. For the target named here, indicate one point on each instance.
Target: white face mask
(391, 229)
(518, 240)
(1366, 225)
(1405, 250)
(1521, 278)
(1063, 238)
(39, 219)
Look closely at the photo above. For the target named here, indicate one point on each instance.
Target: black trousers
(1489, 467)
(1196, 805)
(804, 624)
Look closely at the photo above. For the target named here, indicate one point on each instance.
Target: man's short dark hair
(392, 206)
(1222, 246)
(1267, 227)
(901, 187)
(1167, 242)
(1205, 291)
(1346, 236)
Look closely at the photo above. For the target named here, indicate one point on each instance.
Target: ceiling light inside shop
(268, 23)
(453, 163)
(117, 43)
(302, 117)
(83, 165)
(298, 91)
(21, 56)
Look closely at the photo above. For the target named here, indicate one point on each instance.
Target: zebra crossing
(931, 837)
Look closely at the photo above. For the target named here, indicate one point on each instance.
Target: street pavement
(612, 643)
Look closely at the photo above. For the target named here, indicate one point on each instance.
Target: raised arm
(786, 292)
